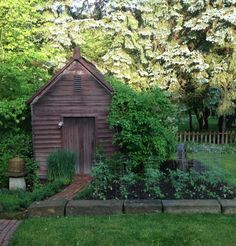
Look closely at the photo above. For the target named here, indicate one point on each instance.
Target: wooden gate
(79, 136)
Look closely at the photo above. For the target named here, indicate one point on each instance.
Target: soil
(166, 187)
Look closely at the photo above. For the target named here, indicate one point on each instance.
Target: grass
(222, 161)
(217, 157)
(152, 229)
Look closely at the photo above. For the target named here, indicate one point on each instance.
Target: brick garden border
(63, 207)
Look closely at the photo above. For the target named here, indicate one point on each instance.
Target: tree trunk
(199, 119)
(190, 120)
(220, 123)
(206, 115)
(224, 123)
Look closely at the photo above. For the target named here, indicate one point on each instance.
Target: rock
(47, 208)
(17, 183)
(191, 206)
(228, 206)
(94, 207)
(142, 206)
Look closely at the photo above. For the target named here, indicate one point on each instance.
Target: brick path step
(69, 192)
(7, 228)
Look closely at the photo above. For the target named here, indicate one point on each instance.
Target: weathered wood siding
(62, 100)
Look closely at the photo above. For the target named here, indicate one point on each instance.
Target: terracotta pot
(16, 165)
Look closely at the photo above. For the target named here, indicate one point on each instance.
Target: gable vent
(77, 83)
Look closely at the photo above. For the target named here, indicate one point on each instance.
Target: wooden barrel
(16, 165)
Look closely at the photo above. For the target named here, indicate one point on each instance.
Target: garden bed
(168, 182)
(15, 203)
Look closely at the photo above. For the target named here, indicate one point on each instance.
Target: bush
(61, 164)
(143, 124)
(17, 143)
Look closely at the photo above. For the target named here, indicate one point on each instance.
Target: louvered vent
(77, 83)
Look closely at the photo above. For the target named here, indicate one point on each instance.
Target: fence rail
(208, 137)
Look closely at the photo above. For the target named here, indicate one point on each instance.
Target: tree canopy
(186, 48)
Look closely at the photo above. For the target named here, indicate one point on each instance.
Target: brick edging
(7, 228)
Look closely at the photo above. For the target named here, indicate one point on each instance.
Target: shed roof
(85, 63)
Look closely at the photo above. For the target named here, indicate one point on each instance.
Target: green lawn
(152, 229)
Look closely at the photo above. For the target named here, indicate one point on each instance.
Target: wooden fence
(207, 137)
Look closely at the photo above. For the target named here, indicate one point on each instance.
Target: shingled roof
(85, 63)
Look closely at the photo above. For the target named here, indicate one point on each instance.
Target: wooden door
(79, 136)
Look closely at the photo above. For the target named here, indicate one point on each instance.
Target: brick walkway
(70, 191)
(7, 227)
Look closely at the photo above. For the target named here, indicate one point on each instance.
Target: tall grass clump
(61, 164)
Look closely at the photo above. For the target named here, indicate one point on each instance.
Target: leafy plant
(102, 180)
(193, 184)
(61, 164)
(152, 179)
(143, 124)
(19, 199)
(127, 182)
(84, 193)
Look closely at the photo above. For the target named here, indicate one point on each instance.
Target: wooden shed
(70, 111)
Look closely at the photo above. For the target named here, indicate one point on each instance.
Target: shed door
(79, 135)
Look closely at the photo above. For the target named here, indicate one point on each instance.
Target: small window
(77, 83)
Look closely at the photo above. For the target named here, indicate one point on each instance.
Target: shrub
(61, 164)
(13, 144)
(143, 124)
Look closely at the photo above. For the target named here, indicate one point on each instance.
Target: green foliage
(84, 193)
(17, 200)
(61, 164)
(210, 148)
(127, 183)
(103, 180)
(199, 185)
(152, 178)
(143, 124)
(14, 144)
(19, 78)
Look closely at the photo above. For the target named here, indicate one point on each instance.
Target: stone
(47, 208)
(94, 207)
(228, 206)
(17, 183)
(191, 206)
(142, 206)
